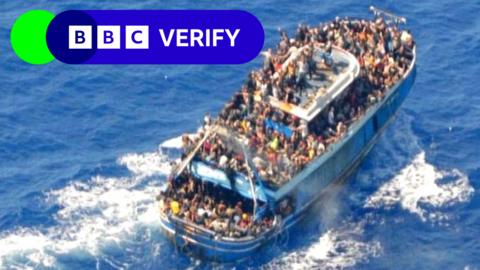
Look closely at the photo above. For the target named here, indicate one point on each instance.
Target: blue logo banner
(155, 37)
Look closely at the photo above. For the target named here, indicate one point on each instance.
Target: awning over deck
(216, 176)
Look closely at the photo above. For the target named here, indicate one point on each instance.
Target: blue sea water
(79, 165)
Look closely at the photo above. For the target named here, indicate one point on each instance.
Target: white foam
(146, 164)
(418, 185)
(32, 247)
(93, 215)
(153, 163)
(336, 249)
(173, 142)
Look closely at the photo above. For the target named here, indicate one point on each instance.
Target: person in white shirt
(222, 163)
(303, 129)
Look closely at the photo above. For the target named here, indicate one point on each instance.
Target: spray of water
(420, 184)
(94, 215)
(335, 249)
(104, 214)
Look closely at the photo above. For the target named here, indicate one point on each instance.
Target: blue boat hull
(335, 165)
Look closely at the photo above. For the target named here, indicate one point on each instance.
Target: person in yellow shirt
(311, 153)
(274, 144)
(175, 207)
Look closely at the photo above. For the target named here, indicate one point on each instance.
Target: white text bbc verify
(137, 37)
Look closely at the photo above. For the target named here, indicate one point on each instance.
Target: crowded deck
(288, 113)
(333, 69)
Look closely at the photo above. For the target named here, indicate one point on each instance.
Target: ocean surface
(80, 165)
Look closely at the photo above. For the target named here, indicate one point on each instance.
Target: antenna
(388, 16)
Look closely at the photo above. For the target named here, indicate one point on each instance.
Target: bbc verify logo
(138, 37)
(108, 37)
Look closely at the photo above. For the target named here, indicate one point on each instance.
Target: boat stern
(198, 242)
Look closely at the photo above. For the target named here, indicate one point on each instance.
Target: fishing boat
(225, 207)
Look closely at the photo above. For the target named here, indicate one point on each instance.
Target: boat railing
(333, 90)
(188, 224)
(194, 228)
(337, 86)
(388, 15)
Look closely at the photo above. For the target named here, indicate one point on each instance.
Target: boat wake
(422, 189)
(336, 249)
(112, 221)
(146, 164)
(102, 220)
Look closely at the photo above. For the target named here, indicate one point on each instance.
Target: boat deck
(322, 79)
(325, 85)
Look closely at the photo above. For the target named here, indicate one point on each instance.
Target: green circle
(29, 37)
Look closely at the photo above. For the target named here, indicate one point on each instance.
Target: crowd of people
(384, 54)
(280, 144)
(226, 214)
